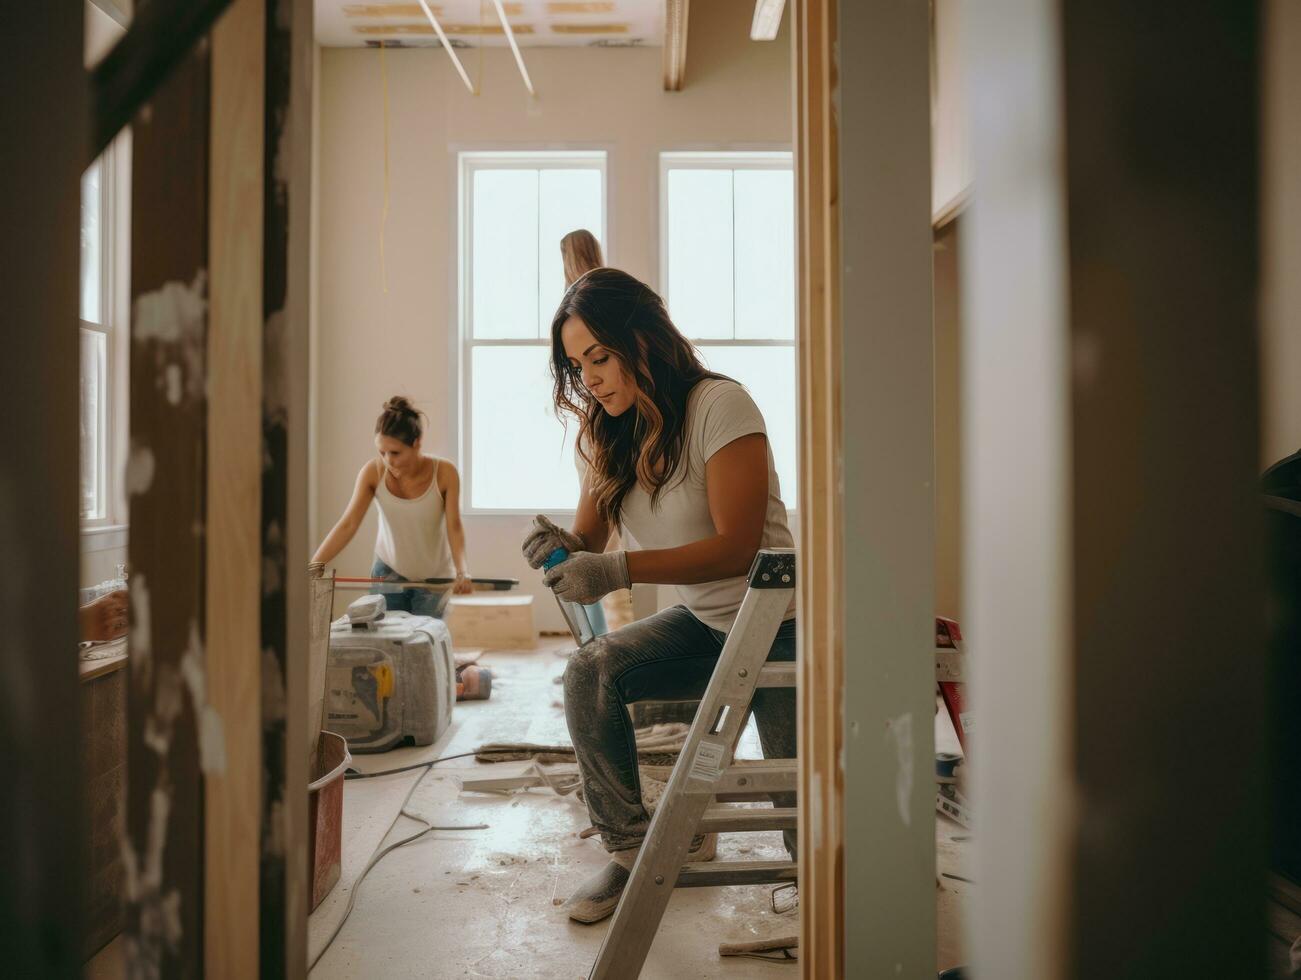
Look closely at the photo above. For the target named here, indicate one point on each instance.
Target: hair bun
(400, 420)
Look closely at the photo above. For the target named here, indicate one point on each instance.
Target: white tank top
(412, 537)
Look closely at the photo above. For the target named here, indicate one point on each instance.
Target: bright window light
(728, 265)
(92, 250)
(517, 207)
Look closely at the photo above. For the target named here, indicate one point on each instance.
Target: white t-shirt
(718, 412)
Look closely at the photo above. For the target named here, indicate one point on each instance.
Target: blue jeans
(420, 602)
(669, 655)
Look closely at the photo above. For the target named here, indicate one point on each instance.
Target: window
(96, 338)
(515, 208)
(727, 268)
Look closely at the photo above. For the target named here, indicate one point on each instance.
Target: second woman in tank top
(420, 531)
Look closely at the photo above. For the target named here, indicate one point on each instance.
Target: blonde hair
(581, 253)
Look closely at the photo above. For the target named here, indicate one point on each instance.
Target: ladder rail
(704, 765)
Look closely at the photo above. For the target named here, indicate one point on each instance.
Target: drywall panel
(887, 519)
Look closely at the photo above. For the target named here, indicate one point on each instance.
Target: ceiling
(474, 23)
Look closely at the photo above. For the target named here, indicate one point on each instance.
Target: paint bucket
(325, 814)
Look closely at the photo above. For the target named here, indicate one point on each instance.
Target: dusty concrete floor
(481, 903)
(484, 903)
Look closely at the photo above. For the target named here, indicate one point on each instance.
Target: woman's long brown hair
(644, 445)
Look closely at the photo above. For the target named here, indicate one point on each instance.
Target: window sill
(103, 537)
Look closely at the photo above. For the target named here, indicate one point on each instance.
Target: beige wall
(1281, 208)
(948, 428)
(374, 344)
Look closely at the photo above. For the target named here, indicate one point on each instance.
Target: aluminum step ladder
(706, 780)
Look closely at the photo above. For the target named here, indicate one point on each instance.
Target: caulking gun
(576, 617)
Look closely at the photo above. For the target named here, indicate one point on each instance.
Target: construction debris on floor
(484, 902)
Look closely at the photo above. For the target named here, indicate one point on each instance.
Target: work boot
(598, 896)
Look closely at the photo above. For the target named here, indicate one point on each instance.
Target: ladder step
(759, 776)
(777, 675)
(706, 874)
(744, 819)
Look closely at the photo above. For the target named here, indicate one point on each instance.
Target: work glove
(545, 537)
(585, 577)
(316, 569)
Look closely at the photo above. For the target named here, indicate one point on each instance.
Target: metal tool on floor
(706, 779)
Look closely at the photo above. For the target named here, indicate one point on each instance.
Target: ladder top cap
(773, 568)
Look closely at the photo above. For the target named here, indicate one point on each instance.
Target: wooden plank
(232, 795)
(708, 874)
(675, 43)
(820, 604)
(166, 479)
(735, 819)
(283, 878)
(44, 104)
(88, 670)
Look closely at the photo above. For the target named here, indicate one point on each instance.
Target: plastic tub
(325, 814)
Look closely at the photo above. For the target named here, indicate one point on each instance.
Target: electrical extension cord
(381, 851)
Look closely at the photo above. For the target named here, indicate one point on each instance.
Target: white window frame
(114, 212)
(468, 162)
(104, 329)
(719, 160)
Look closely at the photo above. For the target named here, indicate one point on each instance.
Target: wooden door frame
(866, 505)
(820, 602)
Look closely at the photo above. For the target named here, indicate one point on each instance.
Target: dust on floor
(485, 903)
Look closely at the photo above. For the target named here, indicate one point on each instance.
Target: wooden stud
(287, 175)
(820, 614)
(44, 100)
(166, 479)
(232, 795)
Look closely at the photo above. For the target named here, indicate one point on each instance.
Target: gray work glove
(586, 577)
(545, 537)
(316, 569)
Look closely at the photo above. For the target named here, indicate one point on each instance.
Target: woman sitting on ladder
(679, 456)
(420, 531)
